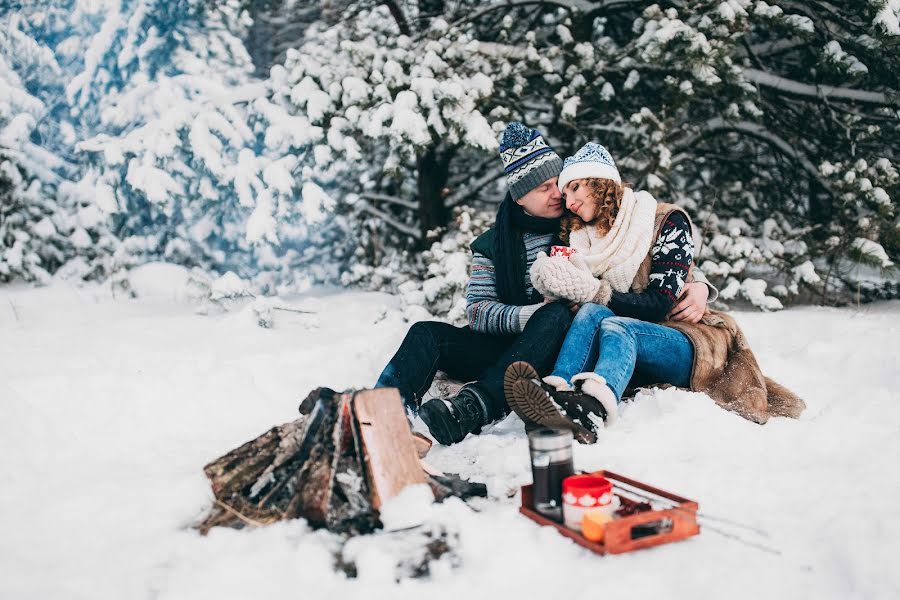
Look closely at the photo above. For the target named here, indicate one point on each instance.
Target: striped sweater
(483, 307)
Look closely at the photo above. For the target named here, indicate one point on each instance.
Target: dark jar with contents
(551, 462)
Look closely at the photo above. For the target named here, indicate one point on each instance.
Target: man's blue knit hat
(527, 159)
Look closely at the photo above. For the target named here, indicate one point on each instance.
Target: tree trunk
(433, 171)
(821, 209)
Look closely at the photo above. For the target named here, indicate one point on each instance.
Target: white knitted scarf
(618, 255)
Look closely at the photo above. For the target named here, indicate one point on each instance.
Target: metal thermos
(551, 462)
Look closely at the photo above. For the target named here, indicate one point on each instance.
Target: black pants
(467, 355)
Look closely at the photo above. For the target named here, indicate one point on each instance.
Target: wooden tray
(622, 534)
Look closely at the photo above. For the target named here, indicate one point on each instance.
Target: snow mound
(161, 281)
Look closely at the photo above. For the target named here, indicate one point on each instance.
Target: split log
(350, 507)
(391, 456)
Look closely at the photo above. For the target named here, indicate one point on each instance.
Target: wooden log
(310, 488)
(334, 466)
(423, 444)
(391, 459)
(237, 476)
(236, 469)
(276, 489)
(309, 402)
(350, 505)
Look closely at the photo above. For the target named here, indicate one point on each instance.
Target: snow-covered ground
(111, 407)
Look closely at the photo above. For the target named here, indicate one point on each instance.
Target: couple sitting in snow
(558, 339)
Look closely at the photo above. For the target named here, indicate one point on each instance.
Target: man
(509, 320)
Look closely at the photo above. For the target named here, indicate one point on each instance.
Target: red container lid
(593, 486)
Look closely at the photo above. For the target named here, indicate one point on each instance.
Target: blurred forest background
(300, 143)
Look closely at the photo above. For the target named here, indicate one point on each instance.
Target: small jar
(583, 493)
(551, 462)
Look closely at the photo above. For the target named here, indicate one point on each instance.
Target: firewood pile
(335, 466)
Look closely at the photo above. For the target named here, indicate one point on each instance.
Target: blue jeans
(621, 349)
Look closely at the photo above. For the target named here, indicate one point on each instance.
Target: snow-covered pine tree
(159, 97)
(152, 107)
(774, 123)
(740, 110)
(47, 220)
(398, 108)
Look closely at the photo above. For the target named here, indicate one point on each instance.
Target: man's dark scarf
(509, 250)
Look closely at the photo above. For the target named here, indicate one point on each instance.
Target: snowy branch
(790, 86)
(758, 131)
(389, 220)
(570, 5)
(33, 166)
(391, 200)
(775, 47)
(473, 188)
(499, 50)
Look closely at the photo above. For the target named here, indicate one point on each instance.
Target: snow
(754, 290)
(160, 281)
(806, 272)
(44, 228)
(801, 22)
(261, 224)
(570, 107)
(888, 18)
(112, 405)
(278, 174)
(316, 202)
(874, 250)
(764, 9)
(80, 238)
(835, 53)
(411, 507)
(632, 80)
(407, 121)
(228, 285)
(155, 183)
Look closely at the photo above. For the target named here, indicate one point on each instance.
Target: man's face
(543, 201)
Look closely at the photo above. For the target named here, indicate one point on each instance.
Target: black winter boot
(451, 420)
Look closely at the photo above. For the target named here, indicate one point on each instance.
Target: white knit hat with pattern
(591, 161)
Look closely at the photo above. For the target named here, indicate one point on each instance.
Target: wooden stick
(706, 526)
(699, 514)
(246, 520)
(296, 310)
(13, 307)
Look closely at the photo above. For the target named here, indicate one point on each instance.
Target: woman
(632, 257)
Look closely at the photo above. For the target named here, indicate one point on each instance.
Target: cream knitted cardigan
(617, 255)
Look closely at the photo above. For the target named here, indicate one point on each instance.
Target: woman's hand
(555, 276)
(691, 304)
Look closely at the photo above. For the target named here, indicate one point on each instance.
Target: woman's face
(578, 200)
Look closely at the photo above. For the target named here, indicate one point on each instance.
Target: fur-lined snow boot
(537, 401)
(595, 387)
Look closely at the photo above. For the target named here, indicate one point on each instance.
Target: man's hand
(691, 304)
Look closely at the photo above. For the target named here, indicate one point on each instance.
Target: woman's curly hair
(606, 195)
